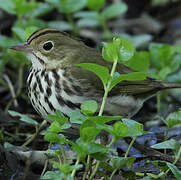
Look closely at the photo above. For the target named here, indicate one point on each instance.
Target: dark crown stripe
(43, 32)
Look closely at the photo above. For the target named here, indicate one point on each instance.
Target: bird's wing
(89, 55)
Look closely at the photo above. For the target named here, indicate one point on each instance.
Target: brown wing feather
(90, 55)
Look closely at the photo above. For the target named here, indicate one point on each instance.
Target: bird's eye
(48, 46)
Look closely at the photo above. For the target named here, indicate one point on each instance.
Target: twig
(11, 88)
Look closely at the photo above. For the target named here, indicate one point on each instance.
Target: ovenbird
(56, 82)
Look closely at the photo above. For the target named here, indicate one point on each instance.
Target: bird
(55, 82)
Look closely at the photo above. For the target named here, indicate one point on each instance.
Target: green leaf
(120, 129)
(85, 22)
(109, 52)
(23, 117)
(89, 107)
(118, 162)
(101, 71)
(62, 25)
(163, 73)
(95, 4)
(55, 138)
(114, 10)
(169, 144)
(55, 127)
(103, 119)
(125, 49)
(92, 148)
(70, 6)
(8, 6)
(175, 62)
(76, 117)
(173, 119)
(20, 33)
(140, 61)
(134, 128)
(29, 30)
(86, 14)
(174, 170)
(42, 9)
(54, 175)
(58, 117)
(101, 156)
(6, 42)
(24, 7)
(120, 49)
(88, 131)
(135, 76)
(160, 55)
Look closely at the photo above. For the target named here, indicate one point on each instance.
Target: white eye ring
(48, 46)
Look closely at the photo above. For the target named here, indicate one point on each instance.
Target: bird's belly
(124, 105)
(51, 91)
(48, 94)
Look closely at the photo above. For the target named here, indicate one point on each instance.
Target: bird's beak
(24, 47)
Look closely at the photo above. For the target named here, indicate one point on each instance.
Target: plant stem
(45, 167)
(70, 20)
(20, 80)
(87, 167)
(35, 134)
(74, 171)
(107, 88)
(158, 103)
(112, 174)
(129, 147)
(94, 171)
(102, 107)
(63, 153)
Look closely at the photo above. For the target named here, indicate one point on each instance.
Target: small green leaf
(163, 73)
(23, 117)
(103, 119)
(6, 42)
(20, 33)
(125, 49)
(140, 61)
(95, 4)
(58, 117)
(56, 138)
(8, 6)
(101, 71)
(109, 52)
(169, 144)
(134, 128)
(55, 175)
(174, 170)
(92, 148)
(70, 6)
(85, 22)
(55, 127)
(135, 76)
(120, 50)
(89, 107)
(120, 129)
(88, 131)
(118, 162)
(62, 25)
(173, 119)
(29, 30)
(76, 117)
(86, 14)
(114, 10)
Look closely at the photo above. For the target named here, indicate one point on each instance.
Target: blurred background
(154, 27)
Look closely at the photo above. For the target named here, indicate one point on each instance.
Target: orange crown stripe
(43, 32)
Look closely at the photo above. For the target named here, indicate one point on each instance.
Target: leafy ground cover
(144, 36)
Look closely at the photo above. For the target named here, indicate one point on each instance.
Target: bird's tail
(170, 85)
